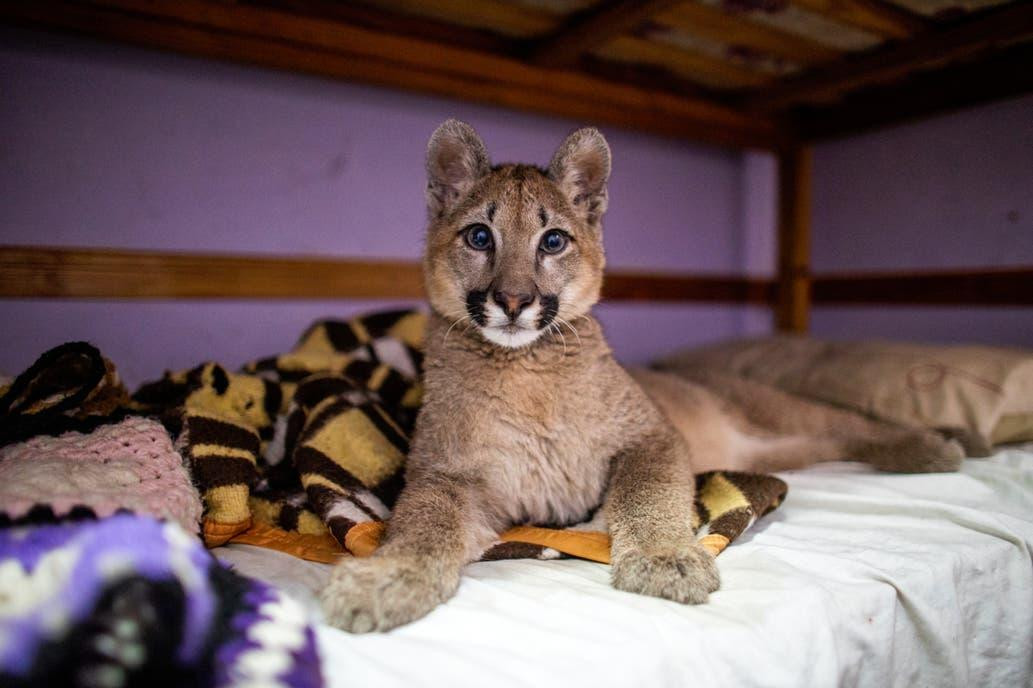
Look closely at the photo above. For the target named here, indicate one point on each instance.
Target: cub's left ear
(581, 168)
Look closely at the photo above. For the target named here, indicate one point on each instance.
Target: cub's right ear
(456, 158)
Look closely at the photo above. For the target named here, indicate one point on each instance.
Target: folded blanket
(130, 601)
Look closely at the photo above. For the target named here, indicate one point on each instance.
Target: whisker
(562, 338)
(444, 340)
(572, 329)
(583, 316)
(457, 315)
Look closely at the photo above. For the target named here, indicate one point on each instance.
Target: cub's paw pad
(380, 593)
(685, 576)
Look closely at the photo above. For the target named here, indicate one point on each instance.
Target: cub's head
(514, 249)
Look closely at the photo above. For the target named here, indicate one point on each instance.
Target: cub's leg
(650, 509)
(436, 528)
(786, 431)
(895, 450)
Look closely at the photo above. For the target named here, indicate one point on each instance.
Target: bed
(859, 579)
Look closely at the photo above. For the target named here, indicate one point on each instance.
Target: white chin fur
(512, 339)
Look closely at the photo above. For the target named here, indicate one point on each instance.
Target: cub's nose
(512, 304)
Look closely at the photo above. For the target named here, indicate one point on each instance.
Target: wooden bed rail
(74, 273)
(1005, 286)
(67, 273)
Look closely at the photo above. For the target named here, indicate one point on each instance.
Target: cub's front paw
(380, 593)
(685, 575)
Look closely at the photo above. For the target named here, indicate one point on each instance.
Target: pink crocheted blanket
(130, 465)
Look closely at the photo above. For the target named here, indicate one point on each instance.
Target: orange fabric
(364, 538)
(322, 548)
(216, 533)
(714, 543)
(583, 544)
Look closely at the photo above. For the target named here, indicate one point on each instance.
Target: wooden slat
(643, 286)
(501, 17)
(594, 28)
(686, 63)
(647, 76)
(794, 240)
(75, 273)
(734, 30)
(122, 274)
(1007, 74)
(876, 16)
(72, 273)
(421, 27)
(981, 287)
(329, 48)
(405, 25)
(328, 37)
(996, 28)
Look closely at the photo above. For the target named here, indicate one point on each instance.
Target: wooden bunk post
(792, 310)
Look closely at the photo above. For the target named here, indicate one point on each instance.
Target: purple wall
(112, 146)
(955, 191)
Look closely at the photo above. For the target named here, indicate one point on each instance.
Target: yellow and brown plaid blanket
(304, 452)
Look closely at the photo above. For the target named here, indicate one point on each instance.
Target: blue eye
(478, 237)
(553, 241)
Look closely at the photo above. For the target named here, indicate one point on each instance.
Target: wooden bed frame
(613, 62)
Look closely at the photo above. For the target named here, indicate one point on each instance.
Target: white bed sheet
(859, 579)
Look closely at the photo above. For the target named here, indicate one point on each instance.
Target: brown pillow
(979, 390)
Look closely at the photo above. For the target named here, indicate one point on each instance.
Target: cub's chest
(546, 478)
(547, 413)
(545, 455)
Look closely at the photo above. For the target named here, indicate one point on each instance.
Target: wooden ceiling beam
(733, 29)
(595, 27)
(648, 76)
(875, 16)
(405, 25)
(251, 35)
(992, 29)
(1007, 74)
(642, 76)
(498, 16)
(689, 64)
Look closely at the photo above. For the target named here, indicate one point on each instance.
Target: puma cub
(527, 417)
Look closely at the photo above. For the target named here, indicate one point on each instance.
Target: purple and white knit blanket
(132, 601)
